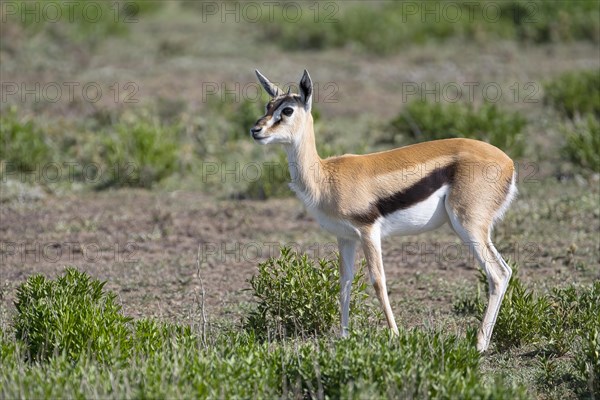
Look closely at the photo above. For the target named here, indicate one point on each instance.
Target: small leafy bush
(72, 315)
(23, 145)
(574, 93)
(298, 297)
(423, 121)
(559, 322)
(572, 312)
(522, 317)
(83, 23)
(385, 27)
(540, 21)
(139, 153)
(583, 142)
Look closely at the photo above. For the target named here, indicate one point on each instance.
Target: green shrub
(296, 297)
(139, 153)
(574, 93)
(422, 121)
(572, 312)
(385, 27)
(23, 145)
(381, 29)
(80, 21)
(134, 151)
(556, 322)
(523, 316)
(72, 315)
(583, 143)
(540, 21)
(374, 29)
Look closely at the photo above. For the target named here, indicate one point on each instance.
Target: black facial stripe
(277, 102)
(275, 106)
(412, 195)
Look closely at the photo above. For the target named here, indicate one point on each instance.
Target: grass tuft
(574, 93)
(139, 153)
(583, 142)
(23, 145)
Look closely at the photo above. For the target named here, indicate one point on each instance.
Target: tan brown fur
(349, 184)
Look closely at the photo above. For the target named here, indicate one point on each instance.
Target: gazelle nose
(255, 131)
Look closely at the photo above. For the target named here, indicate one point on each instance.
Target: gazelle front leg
(371, 242)
(347, 248)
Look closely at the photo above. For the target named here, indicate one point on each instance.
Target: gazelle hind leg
(498, 273)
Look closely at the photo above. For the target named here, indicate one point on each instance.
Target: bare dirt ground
(147, 245)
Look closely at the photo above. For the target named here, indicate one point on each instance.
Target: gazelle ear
(306, 90)
(271, 89)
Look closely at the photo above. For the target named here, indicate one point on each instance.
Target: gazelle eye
(287, 111)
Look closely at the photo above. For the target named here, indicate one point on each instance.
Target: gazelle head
(286, 114)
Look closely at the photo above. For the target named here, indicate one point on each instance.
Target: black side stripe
(412, 195)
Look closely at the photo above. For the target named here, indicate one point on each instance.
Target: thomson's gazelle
(413, 189)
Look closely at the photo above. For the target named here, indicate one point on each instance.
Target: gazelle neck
(306, 167)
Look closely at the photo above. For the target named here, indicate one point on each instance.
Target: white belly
(421, 217)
